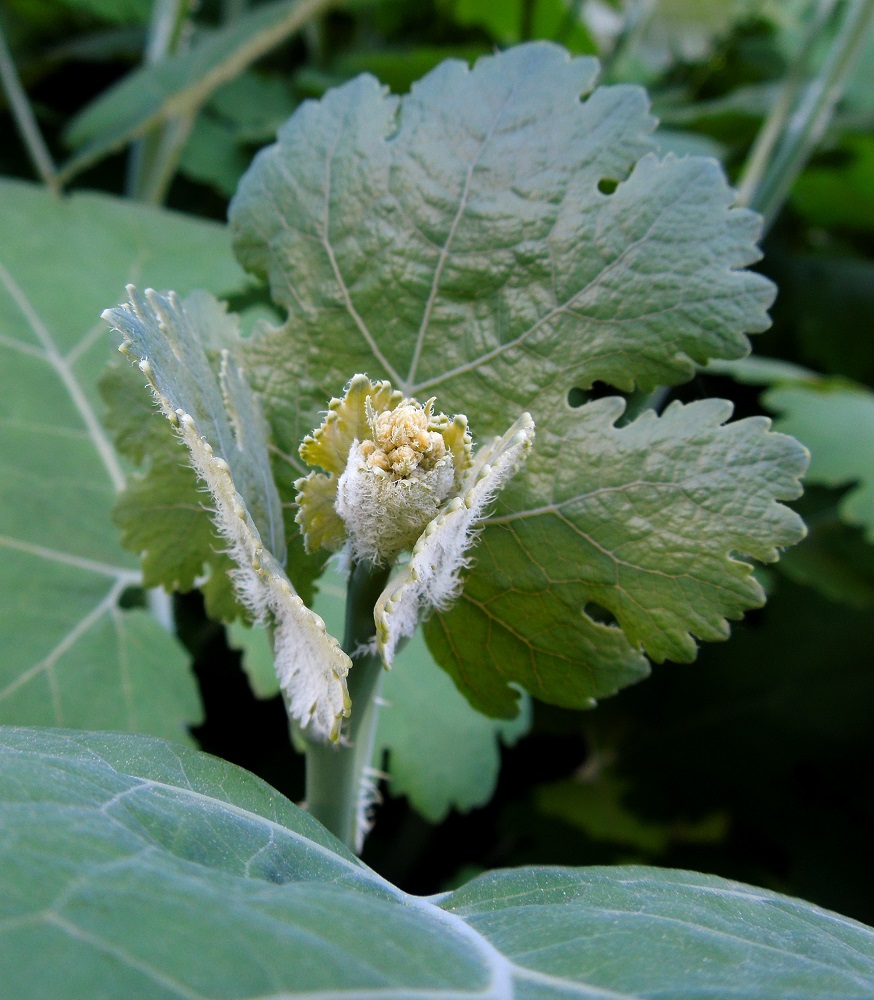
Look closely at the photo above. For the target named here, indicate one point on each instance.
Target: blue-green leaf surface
(134, 868)
(69, 653)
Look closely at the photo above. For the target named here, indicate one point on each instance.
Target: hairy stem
(336, 775)
(25, 119)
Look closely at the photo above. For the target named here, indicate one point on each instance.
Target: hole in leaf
(600, 614)
(607, 185)
(597, 390)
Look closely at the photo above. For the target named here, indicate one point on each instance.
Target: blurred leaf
(254, 103)
(835, 421)
(512, 279)
(520, 20)
(257, 657)
(597, 807)
(840, 196)
(683, 143)
(399, 69)
(69, 654)
(836, 560)
(179, 85)
(774, 730)
(213, 155)
(115, 11)
(111, 840)
(758, 370)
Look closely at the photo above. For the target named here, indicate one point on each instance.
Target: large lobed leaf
(645, 521)
(462, 241)
(69, 653)
(130, 867)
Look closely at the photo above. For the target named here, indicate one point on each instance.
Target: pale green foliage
(120, 839)
(69, 654)
(836, 422)
(458, 242)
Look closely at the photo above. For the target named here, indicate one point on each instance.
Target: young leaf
(111, 840)
(161, 512)
(463, 241)
(220, 422)
(69, 653)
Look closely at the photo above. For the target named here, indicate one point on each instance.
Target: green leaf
(458, 242)
(441, 753)
(69, 655)
(836, 421)
(836, 560)
(218, 419)
(115, 11)
(510, 22)
(644, 521)
(840, 196)
(130, 867)
(511, 278)
(161, 512)
(213, 155)
(180, 85)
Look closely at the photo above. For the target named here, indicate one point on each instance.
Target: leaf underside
(110, 840)
(219, 421)
(459, 242)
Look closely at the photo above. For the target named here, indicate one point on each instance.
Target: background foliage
(755, 762)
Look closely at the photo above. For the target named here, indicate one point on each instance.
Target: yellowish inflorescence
(403, 440)
(389, 463)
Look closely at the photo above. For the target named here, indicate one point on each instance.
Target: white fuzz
(384, 512)
(432, 577)
(309, 663)
(368, 799)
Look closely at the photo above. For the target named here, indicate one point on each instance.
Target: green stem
(336, 774)
(25, 119)
(804, 129)
(152, 158)
(774, 125)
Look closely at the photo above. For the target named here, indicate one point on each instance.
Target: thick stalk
(806, 126)
(336, 774)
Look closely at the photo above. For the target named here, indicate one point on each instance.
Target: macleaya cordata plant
(488, 246)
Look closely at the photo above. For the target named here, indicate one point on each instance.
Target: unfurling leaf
(219, 421)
